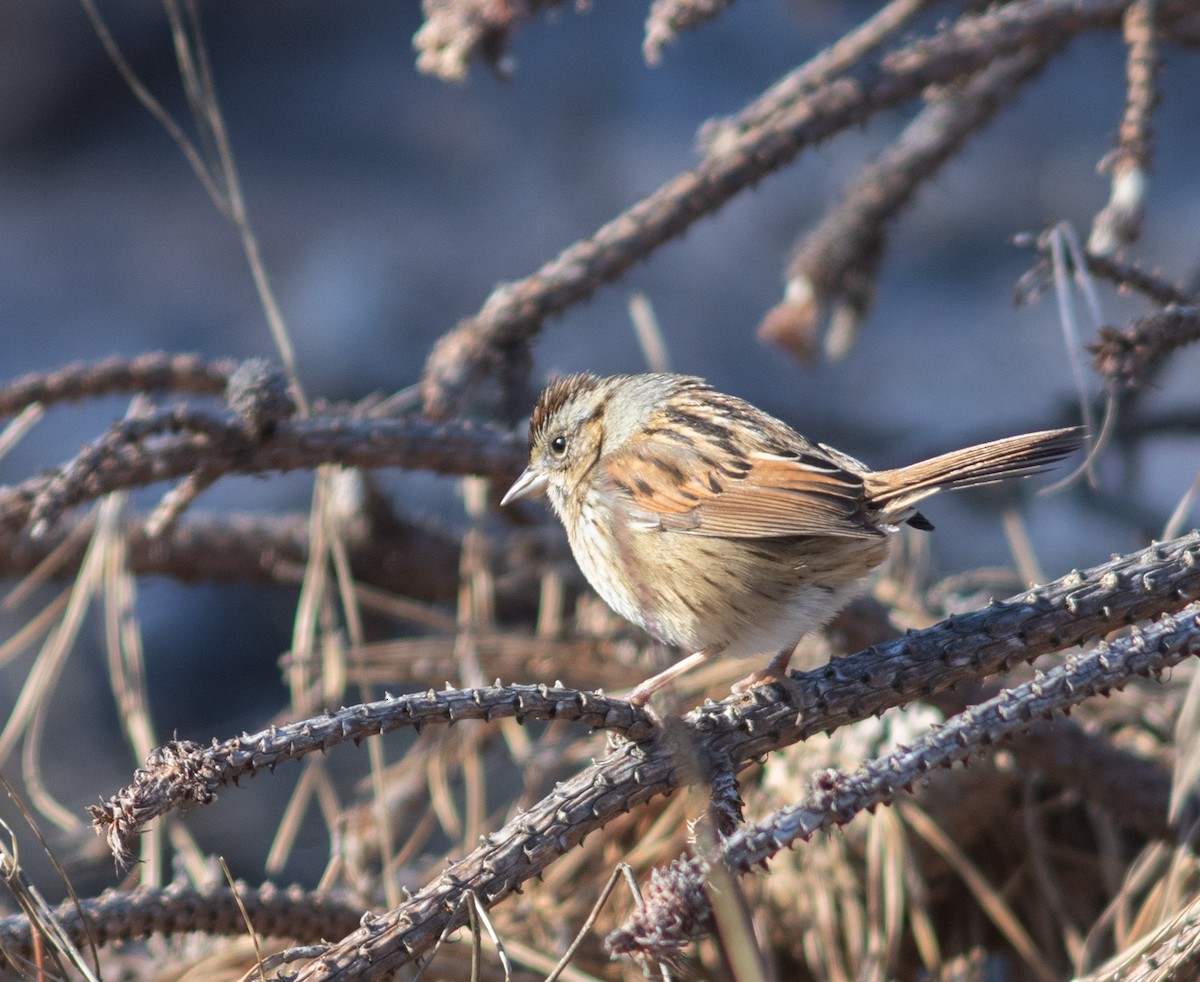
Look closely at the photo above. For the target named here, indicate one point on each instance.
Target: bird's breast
(751, 596)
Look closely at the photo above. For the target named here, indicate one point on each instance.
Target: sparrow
(716, 527)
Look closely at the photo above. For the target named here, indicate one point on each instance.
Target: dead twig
(456, 32)
(836, 264)
(1127, 359)
(184, 774)
(668, 17)
(868, 37)
(152, 372)
(180, 908)
(188, 440)
(1125, 275)
(409, 558)
(1119, 223)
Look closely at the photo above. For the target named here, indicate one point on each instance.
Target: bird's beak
(530, 483)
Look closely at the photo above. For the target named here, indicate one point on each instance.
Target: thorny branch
(1128, 358)
(1123, 274)
(1119, 223)
(1170, 569)
(668, 17)
(129, 915)
(185, 441)
(677, 909)
(185, 774)
(414, 559)
(151, 372)
(838, 261)
(741, 729)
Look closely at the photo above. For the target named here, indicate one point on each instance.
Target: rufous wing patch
(667, 486)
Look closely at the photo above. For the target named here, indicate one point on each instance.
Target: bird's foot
(776, 672)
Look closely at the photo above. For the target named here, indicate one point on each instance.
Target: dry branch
(187, 440)
(409, 558)
(837, 262)
(1119, 223)
(987, 54)
(1128, 358)
(668, 17)
(741, 729)
(456, 32)
(841, 56)
(1169, 954)
(677, 908)
(1123, 274)
(152, 372)
(129, 915)
(184, 774)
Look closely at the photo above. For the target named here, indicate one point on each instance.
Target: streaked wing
(676, 488)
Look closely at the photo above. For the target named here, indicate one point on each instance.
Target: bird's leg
(641, 694)
(776, 671)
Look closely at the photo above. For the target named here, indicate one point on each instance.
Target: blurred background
(388, 204)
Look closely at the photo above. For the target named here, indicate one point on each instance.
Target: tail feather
(895, 492)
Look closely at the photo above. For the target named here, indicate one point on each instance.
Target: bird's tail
(895, 492)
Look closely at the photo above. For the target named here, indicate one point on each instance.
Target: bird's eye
(558, 446)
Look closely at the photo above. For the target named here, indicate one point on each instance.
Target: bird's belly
(806, 609)
(746, 596)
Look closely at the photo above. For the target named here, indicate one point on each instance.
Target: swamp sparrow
(718, 528)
